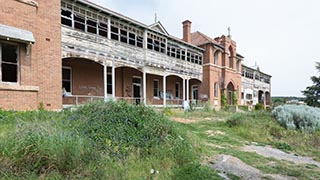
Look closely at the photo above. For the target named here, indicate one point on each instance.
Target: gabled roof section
(198, 38)
(157, 26)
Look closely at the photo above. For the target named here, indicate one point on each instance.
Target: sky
(281, 36)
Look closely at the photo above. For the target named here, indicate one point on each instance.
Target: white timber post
(109, 29)
(144, 87)
(113, 80)
(184, 89)
(105, 81)
(164, 90)
(188, 90)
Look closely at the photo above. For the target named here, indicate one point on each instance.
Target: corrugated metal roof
(16, 33)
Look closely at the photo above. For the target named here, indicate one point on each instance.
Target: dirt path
(268, 151)
(227, 165)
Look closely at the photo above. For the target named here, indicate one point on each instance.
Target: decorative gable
(159, 28)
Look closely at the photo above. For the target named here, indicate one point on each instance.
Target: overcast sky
(281, 36)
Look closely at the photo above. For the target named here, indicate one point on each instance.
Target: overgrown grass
(238, 129)
(112, 140)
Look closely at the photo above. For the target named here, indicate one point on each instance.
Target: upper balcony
(104, 38)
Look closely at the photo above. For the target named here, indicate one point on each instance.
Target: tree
(312, 93)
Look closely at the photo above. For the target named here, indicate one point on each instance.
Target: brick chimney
(186, 31)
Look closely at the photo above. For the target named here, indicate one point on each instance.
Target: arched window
(215, 90)
(216, 57)
(230, 53)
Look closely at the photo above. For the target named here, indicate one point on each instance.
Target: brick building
(62, 53)
(30, 54)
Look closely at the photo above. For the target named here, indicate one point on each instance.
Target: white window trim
(68, 67)
(192, 89)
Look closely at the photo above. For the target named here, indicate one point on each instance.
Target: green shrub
(119, 128)
(223, 99)
(167, 111)
(237, 119)
(243, 108)
(298, 117)
(283, 146)
(259, 106)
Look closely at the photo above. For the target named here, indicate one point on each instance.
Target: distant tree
(312, 93)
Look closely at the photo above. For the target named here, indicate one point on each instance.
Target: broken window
(79, 22)
(183, 54)
(173, 52)
(91, 26)
(162, 47)
(66, 17)
(66, 79)
(9, 63)
(139, 41)
(156, 45)
(123, 36)
(150, 44)
(200, 59)
(132, 39)
(103, 29)
(178, 54)
(188, 56)
(114, 33)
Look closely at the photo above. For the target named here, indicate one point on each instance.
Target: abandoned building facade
(77, 51)
(256, 86)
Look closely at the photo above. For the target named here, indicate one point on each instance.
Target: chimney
(186, 31)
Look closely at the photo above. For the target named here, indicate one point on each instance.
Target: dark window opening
(66, 17)
(92, 26)
(163, 47)
(168, 51)
(132, 39)
(192, 58)
(188, 56)
(139, 41)
(114, 33)
(173, 52)
(66, 79)
(177, 90)
(150, 44)
(124, 36)
(9, 63)
(156, 45)
(178, 54)
(109, 84)
(183, 56)
(79, 22)
(103, 29)
(156, 88)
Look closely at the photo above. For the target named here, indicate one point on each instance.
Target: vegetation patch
(298, 117)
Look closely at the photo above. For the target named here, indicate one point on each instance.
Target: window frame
(18, 63)
(157, 89)
(177, 90)
(215, 90)
(69, 68)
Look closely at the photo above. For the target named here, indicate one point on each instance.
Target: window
(9, 62)
(215, 90)
(177, 90)
(66, 17)
(124, 36)
(156, 88)
(103, 29)
(109, 84)
(66, 79)
(92, 26)
(79, 22)
(215, 57)
(248, 96)
(114, 33)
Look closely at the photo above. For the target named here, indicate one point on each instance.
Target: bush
(237, 119)
(298, 117)
(259, 106)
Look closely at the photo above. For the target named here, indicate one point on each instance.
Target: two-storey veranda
(108, 55)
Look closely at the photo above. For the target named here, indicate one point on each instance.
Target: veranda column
(105, 81)
(184, 89)
(144, 87)
(113, 80)
(188, 90)
(164, 91)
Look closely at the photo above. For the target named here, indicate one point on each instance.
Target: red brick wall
(43, 68)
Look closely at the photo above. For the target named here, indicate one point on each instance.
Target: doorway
(136, 87)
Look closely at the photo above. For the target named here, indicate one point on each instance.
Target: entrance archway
(230, 90)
